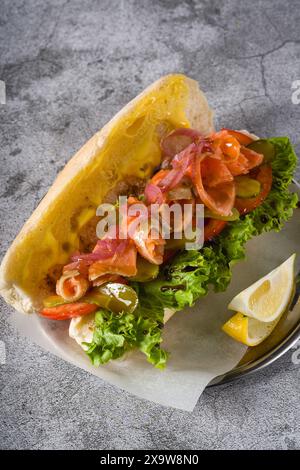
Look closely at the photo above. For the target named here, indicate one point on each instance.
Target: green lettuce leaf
(114, 335)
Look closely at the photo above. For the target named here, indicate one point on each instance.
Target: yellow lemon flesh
(247, 330)
(261, 305)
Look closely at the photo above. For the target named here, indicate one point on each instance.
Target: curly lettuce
(191, 273)
(116, 334)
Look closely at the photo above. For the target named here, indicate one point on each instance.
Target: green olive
(246, 187)
(174, 244)
(265, 147)
(178, 244)
(113, 296)
(146, 271)
(229, 218)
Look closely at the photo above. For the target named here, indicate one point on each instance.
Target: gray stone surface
(68, 67)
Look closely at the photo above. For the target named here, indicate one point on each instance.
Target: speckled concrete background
(68, 67)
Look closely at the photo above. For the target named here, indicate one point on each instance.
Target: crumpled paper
(199, 349)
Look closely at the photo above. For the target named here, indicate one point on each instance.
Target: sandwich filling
(118, 290)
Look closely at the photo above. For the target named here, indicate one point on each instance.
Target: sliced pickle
(246, 187)
(113, 296)
(146, 271)
(265, 147)
(54, 301)
(229, 218)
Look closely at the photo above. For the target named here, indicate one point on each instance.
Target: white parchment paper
(199, 349)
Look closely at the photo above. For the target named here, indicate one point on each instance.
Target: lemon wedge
(268, 297)
(260, 306)
(248, 330)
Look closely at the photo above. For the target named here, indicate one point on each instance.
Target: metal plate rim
(259, 364)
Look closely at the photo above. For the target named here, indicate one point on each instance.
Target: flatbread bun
(125, 151)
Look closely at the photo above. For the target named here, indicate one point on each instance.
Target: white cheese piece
(82, 328)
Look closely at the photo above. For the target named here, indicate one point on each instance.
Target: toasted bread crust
(199, 116)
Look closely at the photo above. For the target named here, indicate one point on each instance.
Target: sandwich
(117, 288)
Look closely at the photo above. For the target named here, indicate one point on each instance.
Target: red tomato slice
(240, 136)
(219, 199)
(66, 311)
(264, 176)
(212, 228)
